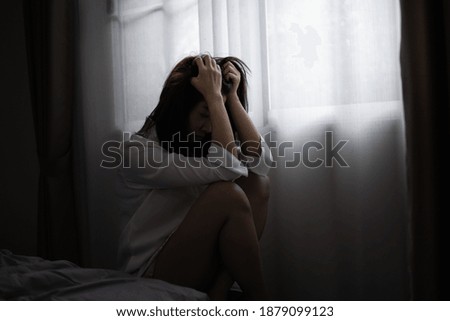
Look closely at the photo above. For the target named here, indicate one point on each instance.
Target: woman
(195, 204)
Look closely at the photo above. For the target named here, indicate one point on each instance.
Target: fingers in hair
(200, 63)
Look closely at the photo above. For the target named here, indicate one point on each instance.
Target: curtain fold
(50, 45)
(425, 60)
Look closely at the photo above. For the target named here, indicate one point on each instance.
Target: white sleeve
(151, 166)
(259, 165)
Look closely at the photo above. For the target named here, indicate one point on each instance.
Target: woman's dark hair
(178, 98)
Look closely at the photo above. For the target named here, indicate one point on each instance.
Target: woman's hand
(209, 79)
(248, 134)
(232, 75)
(209, 84)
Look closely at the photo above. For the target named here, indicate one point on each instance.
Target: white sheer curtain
(150, 36)
(337, 232)
(317, 66)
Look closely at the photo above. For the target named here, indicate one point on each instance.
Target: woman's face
(199, 120)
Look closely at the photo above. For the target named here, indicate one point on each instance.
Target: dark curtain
(425, 62)
(49, 29)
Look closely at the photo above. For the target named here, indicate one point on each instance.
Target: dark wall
(19, 164)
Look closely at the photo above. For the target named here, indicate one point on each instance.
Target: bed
(34, 278)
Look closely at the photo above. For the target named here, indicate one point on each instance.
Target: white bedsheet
(33, 278)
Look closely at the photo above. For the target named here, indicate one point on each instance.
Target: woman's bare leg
(257, 190)
(219, 227)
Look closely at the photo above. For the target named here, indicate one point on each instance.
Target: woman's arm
(209, 84)
(248, 134)
(147, 165)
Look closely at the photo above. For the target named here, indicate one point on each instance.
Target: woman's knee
(256, 187)
(263, 187)
(230, 196)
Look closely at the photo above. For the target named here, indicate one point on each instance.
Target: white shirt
(156, 189)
